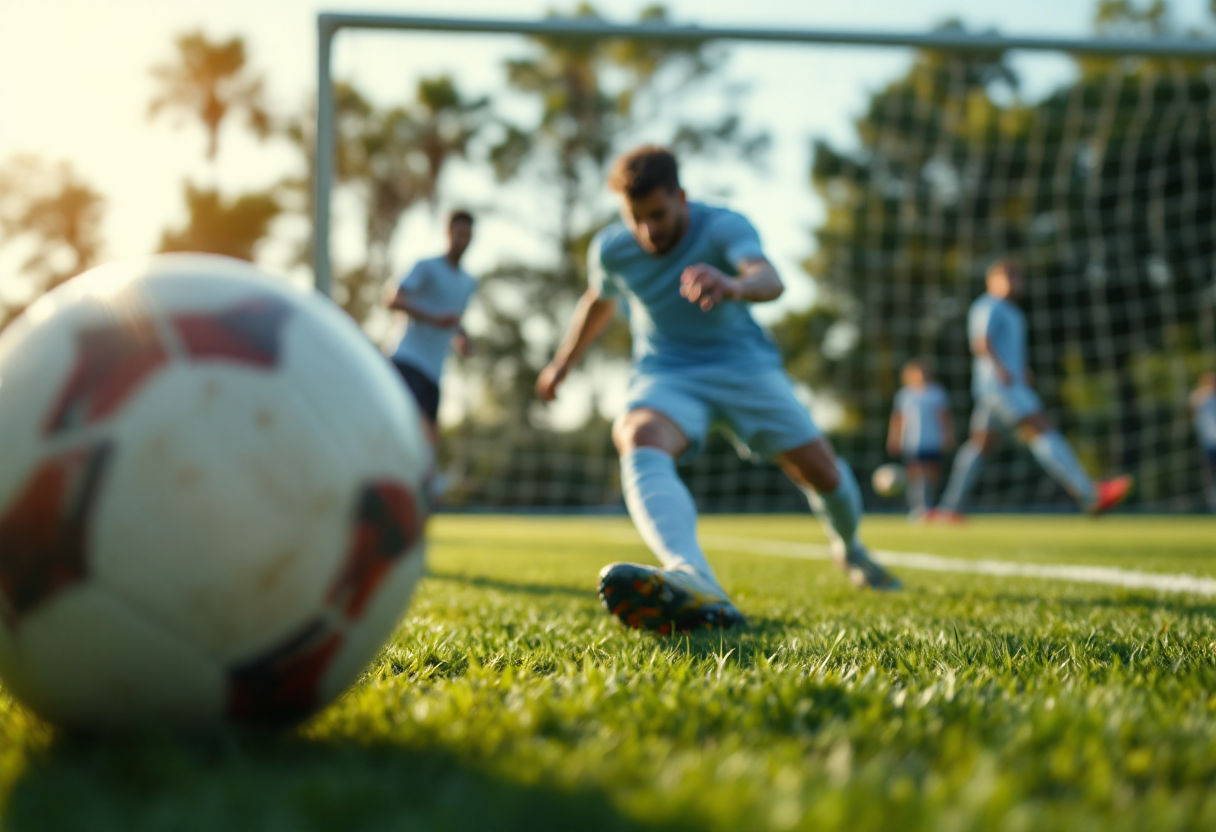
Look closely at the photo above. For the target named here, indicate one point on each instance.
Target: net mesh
(1102, 190)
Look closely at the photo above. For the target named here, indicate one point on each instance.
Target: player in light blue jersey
(433, 297)
(921, 432)
(1004, 399)
(687, 271)
(1203, 411)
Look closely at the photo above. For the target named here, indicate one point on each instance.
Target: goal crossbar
(330, 23)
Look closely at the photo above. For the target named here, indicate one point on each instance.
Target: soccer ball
(211, 498)
(889, 480)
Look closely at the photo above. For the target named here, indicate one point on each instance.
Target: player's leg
(1209, 477)
(918, 502)
(425, 392)
(931, 470)
(765, 414)
(662, 422)
(834, 497)
(967, 463)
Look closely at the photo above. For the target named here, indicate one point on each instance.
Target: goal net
(1097, 175)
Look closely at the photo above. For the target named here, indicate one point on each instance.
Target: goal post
(329, 24)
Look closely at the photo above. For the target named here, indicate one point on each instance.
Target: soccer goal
(1092, 165)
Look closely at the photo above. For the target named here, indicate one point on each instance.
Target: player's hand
(707, 287)
(446, 321)
(463, 344)
(1028, 374)
(550, 379)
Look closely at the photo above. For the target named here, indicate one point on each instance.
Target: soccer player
(1003, 398)
(433, 297)
(921, 431)
(688, 271)
(1203, 410)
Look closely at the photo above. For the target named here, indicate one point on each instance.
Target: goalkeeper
(1003, 398)
(687, 271)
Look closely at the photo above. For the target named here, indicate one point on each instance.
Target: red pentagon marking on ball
(283, 686)
(44, 532)
(387, 525)
(112, 361)
(248, 333)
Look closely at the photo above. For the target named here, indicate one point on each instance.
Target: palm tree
(55, 214)
(210, 81)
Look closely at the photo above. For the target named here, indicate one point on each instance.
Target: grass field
(509, 700)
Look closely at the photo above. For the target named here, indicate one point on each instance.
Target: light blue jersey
(1205, 421)
(1004, 325)
(921, 412)
(437, 287)
(668, 331)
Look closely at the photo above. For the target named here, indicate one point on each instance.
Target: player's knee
(638, 429)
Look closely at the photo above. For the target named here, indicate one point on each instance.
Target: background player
(433, 297)
(921, 431)
(1203, 411)
(687, 271)
(1003, 398)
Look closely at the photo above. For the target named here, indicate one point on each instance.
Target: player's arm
(399, 299)
(591, 315)
(981, 346)
(706, 286)
(895, 433)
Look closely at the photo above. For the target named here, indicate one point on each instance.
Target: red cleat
(1111, 493)
(945, 517)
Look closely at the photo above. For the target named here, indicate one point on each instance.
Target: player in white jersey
(687, 271)
(433, 296)
(1203, 411)
(1003, 398)
(921, 432)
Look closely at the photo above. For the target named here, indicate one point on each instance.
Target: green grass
(509, 700)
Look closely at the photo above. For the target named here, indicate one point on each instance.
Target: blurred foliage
(223, 226)
(56, 216)
(210, 81)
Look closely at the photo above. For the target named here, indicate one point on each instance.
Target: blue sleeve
(416, 280)
(942, 399)
(598, 277)
(736, 238)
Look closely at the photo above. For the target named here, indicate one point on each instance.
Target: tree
(56, 215)
(210, 81)
(220, 226)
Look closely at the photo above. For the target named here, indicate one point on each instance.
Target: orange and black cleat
(665, 601)
(1110, 493)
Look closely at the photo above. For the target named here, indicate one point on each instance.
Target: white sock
(963, 476)
(663, 511)
(840, 511)
(1055, 455)
(918, 494)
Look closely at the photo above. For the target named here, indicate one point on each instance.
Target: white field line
(1074, 573)
(1109, 575)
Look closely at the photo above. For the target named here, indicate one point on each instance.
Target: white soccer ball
(211, 498)
(889, 480)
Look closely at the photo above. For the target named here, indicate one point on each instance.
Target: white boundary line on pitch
(1108, 575)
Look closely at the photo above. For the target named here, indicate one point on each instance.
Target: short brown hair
(644, 169)
(1006, 265)
(459, 215)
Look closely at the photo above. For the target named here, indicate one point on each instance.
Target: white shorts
(1003, 406)
(757, 406)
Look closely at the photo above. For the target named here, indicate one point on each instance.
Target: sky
(75, 86)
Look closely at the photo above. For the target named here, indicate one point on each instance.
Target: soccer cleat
(1110, 493)
(666, 601)
(945, 517)
(862, 570)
